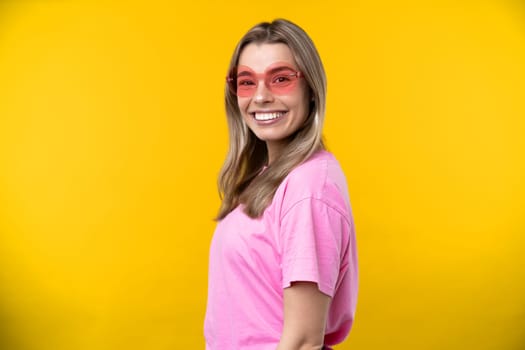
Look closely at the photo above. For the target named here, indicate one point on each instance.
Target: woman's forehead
(261, 56)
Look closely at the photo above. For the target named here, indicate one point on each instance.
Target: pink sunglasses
(280, 80)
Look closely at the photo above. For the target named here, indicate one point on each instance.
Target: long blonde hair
(240, 179)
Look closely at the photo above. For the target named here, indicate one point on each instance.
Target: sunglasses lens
(246, 84)
(242, 81)
(283, 81)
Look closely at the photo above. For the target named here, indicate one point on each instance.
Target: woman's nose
(262, 93)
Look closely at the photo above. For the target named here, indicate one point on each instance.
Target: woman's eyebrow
(280, 68)
(244, 73)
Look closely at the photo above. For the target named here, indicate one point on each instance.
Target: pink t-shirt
(305, 234)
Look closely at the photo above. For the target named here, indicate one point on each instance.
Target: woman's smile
(268, 116)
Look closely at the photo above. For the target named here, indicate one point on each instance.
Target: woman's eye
(282, 79)
(245, 82)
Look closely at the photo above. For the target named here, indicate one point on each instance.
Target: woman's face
(273, 101)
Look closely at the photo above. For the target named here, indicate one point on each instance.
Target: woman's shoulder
(314, 171)
(320, 177)
(321, 169)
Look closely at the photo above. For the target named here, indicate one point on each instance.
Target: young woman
(283, 263)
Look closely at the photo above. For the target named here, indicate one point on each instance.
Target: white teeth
(268, 116)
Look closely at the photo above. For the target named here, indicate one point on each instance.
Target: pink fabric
(306, 234)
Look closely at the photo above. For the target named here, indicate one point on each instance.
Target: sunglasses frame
(269, 72)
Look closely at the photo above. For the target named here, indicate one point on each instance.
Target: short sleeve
(314, 240)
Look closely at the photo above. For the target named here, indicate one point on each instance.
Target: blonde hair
(240, 179)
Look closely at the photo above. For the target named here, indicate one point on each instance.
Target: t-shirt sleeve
(314, 240)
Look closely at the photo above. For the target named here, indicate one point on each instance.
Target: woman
(283, 263)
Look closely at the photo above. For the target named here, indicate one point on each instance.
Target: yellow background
(112, 132)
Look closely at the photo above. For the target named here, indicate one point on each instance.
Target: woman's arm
(305, 313)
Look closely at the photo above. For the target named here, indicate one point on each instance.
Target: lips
(262, 116)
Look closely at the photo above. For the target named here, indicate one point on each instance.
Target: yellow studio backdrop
(112, 132)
